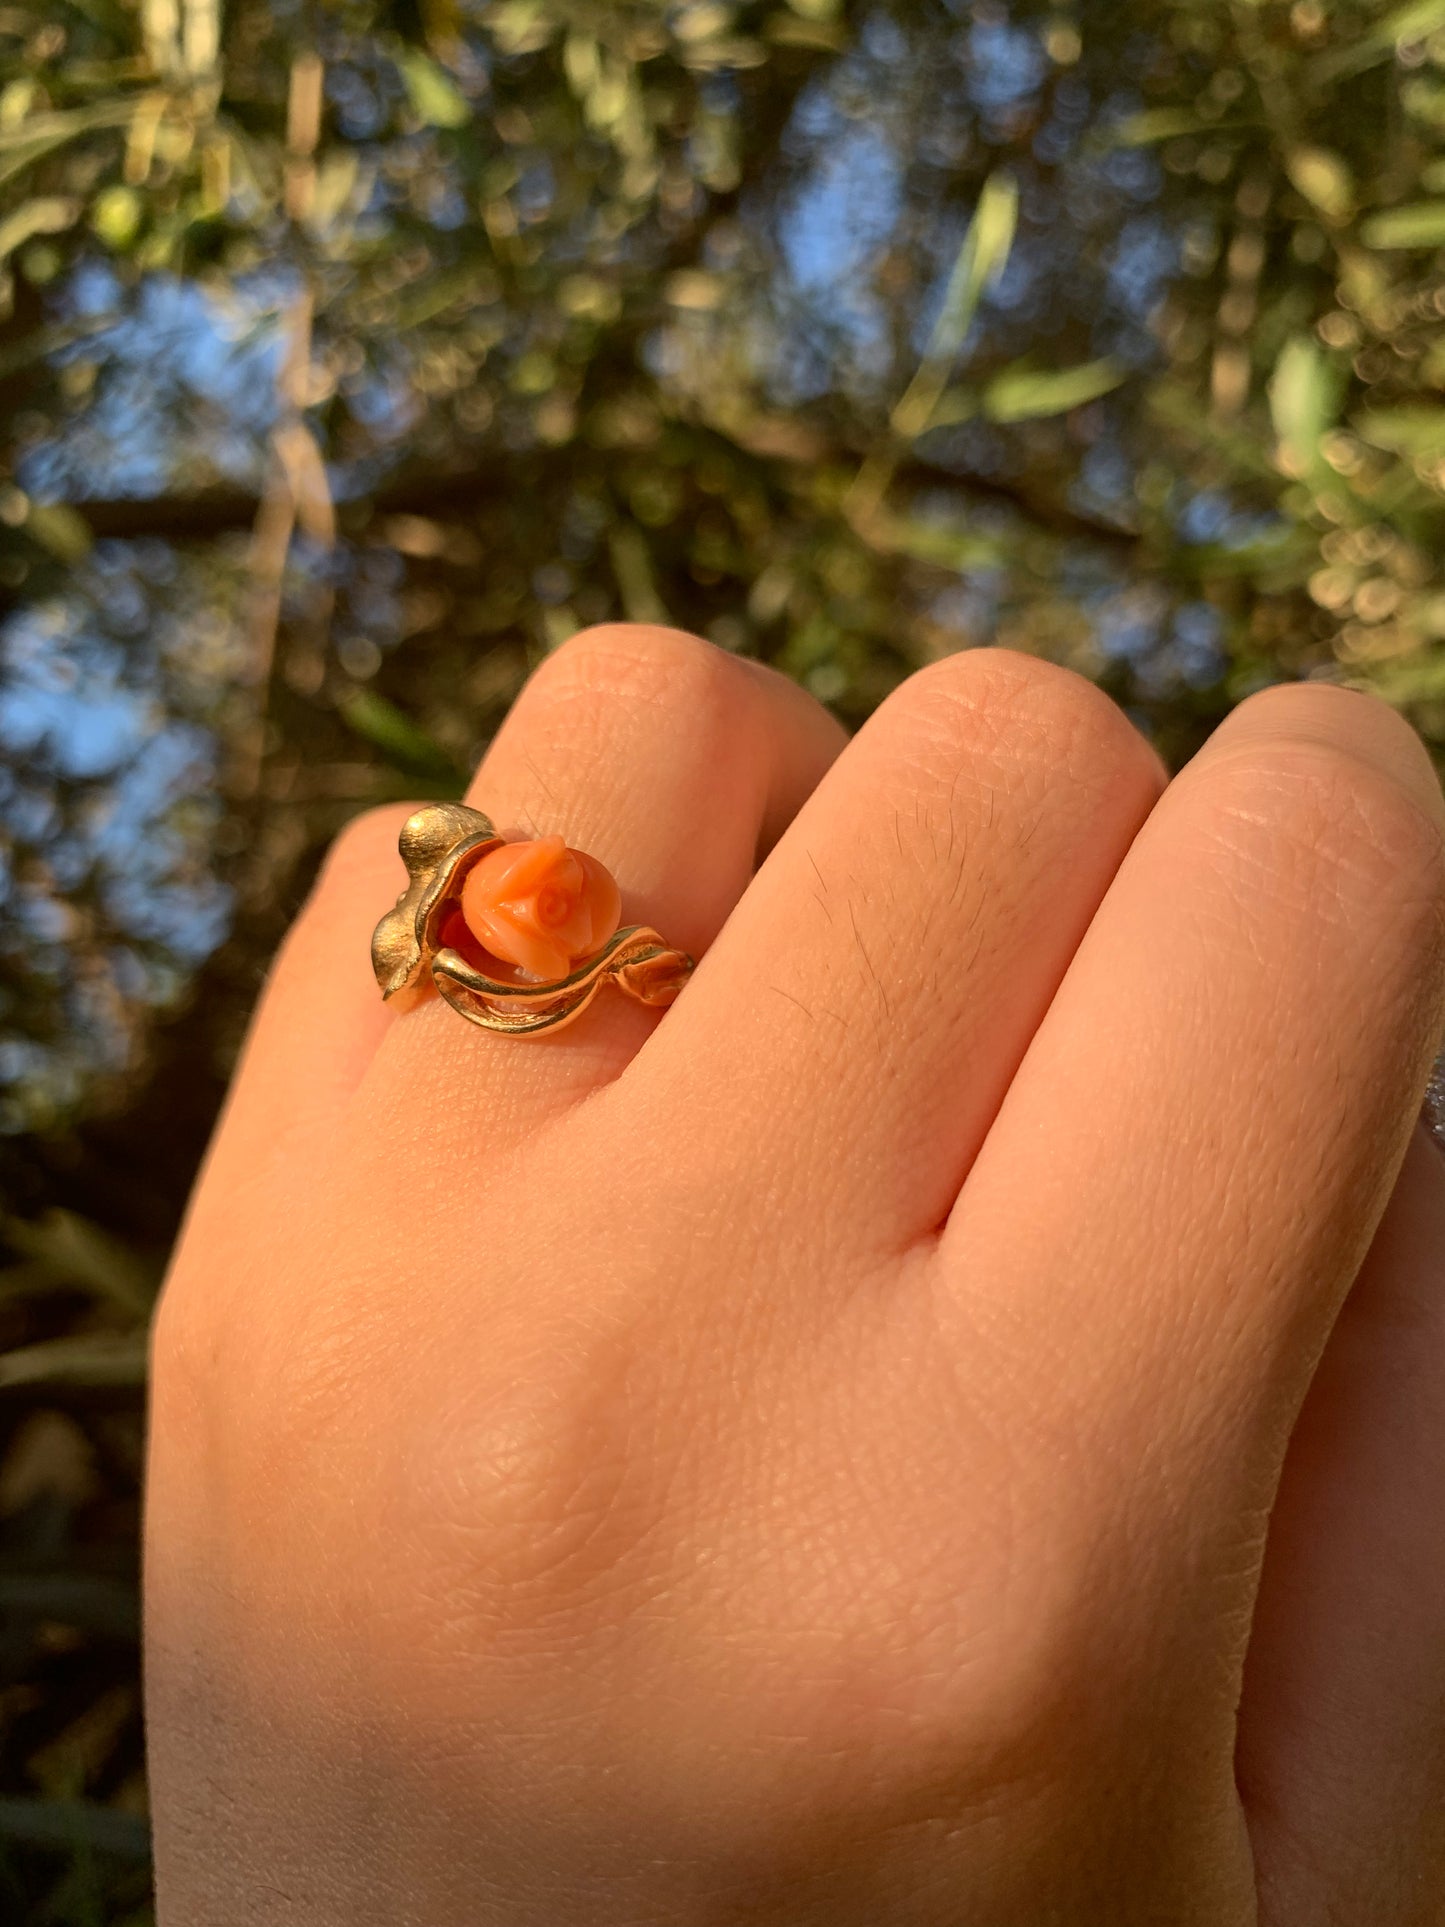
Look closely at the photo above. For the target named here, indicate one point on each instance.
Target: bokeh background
(353, 355)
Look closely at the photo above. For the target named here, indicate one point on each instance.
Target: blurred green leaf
(46, 214)
(116, 214)
(59, 528)
(690, 288)
(792, 30)
(16, 98)
(1413, 431)
(45, 131)
(337, 179)
(1023, 394)
(433, 94)
(1413, 21)
(636, 579)
(1158, 124)
(991, 239)
(1324, 180)
(522, 26)
(31, 140)
(1421, 224)
(1422, 679)
(73, 1252)
(19, 1282)
(937, 544)
(402, 741)
(66, 1825)
(438, 292)
(1303, 397)
(980, 263)
(85, 1360)
(956, 405)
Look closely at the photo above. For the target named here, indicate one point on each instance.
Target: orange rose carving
(540, 906)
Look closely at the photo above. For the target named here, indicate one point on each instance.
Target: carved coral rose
(540, 905)
(550, 912)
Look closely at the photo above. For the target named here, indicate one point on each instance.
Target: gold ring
(518, 936)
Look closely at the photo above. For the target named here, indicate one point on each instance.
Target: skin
(943, 1426)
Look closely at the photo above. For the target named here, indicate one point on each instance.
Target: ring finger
(677, 766)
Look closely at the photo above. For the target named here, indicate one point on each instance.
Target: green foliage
(75, 1302)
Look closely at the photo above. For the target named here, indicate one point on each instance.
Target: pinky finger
(1342, 1726)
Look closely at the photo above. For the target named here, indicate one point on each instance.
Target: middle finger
(859, 1021)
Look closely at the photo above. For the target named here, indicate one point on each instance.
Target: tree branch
(215, 512)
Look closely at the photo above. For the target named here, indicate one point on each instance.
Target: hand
(905, 1437)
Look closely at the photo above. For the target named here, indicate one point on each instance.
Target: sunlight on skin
(812, 1459)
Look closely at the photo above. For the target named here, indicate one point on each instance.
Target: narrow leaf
(1413, 21)
(89, 1359)
(1157, 124)
(73, 1251)
(43, 131)
(1404, 431)
(995, 224)
(1027, 394)
(1419, 224)
(66, 1825)
(399, 739)
(936, 543)
(955, 405)
(636, 580)
(981, 261)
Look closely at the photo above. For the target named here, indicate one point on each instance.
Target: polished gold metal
(439, 845)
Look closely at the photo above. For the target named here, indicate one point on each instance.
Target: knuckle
(1018, 713)
(1320, 816)
(641, 664)
(1318, 804)
(1319, 711)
